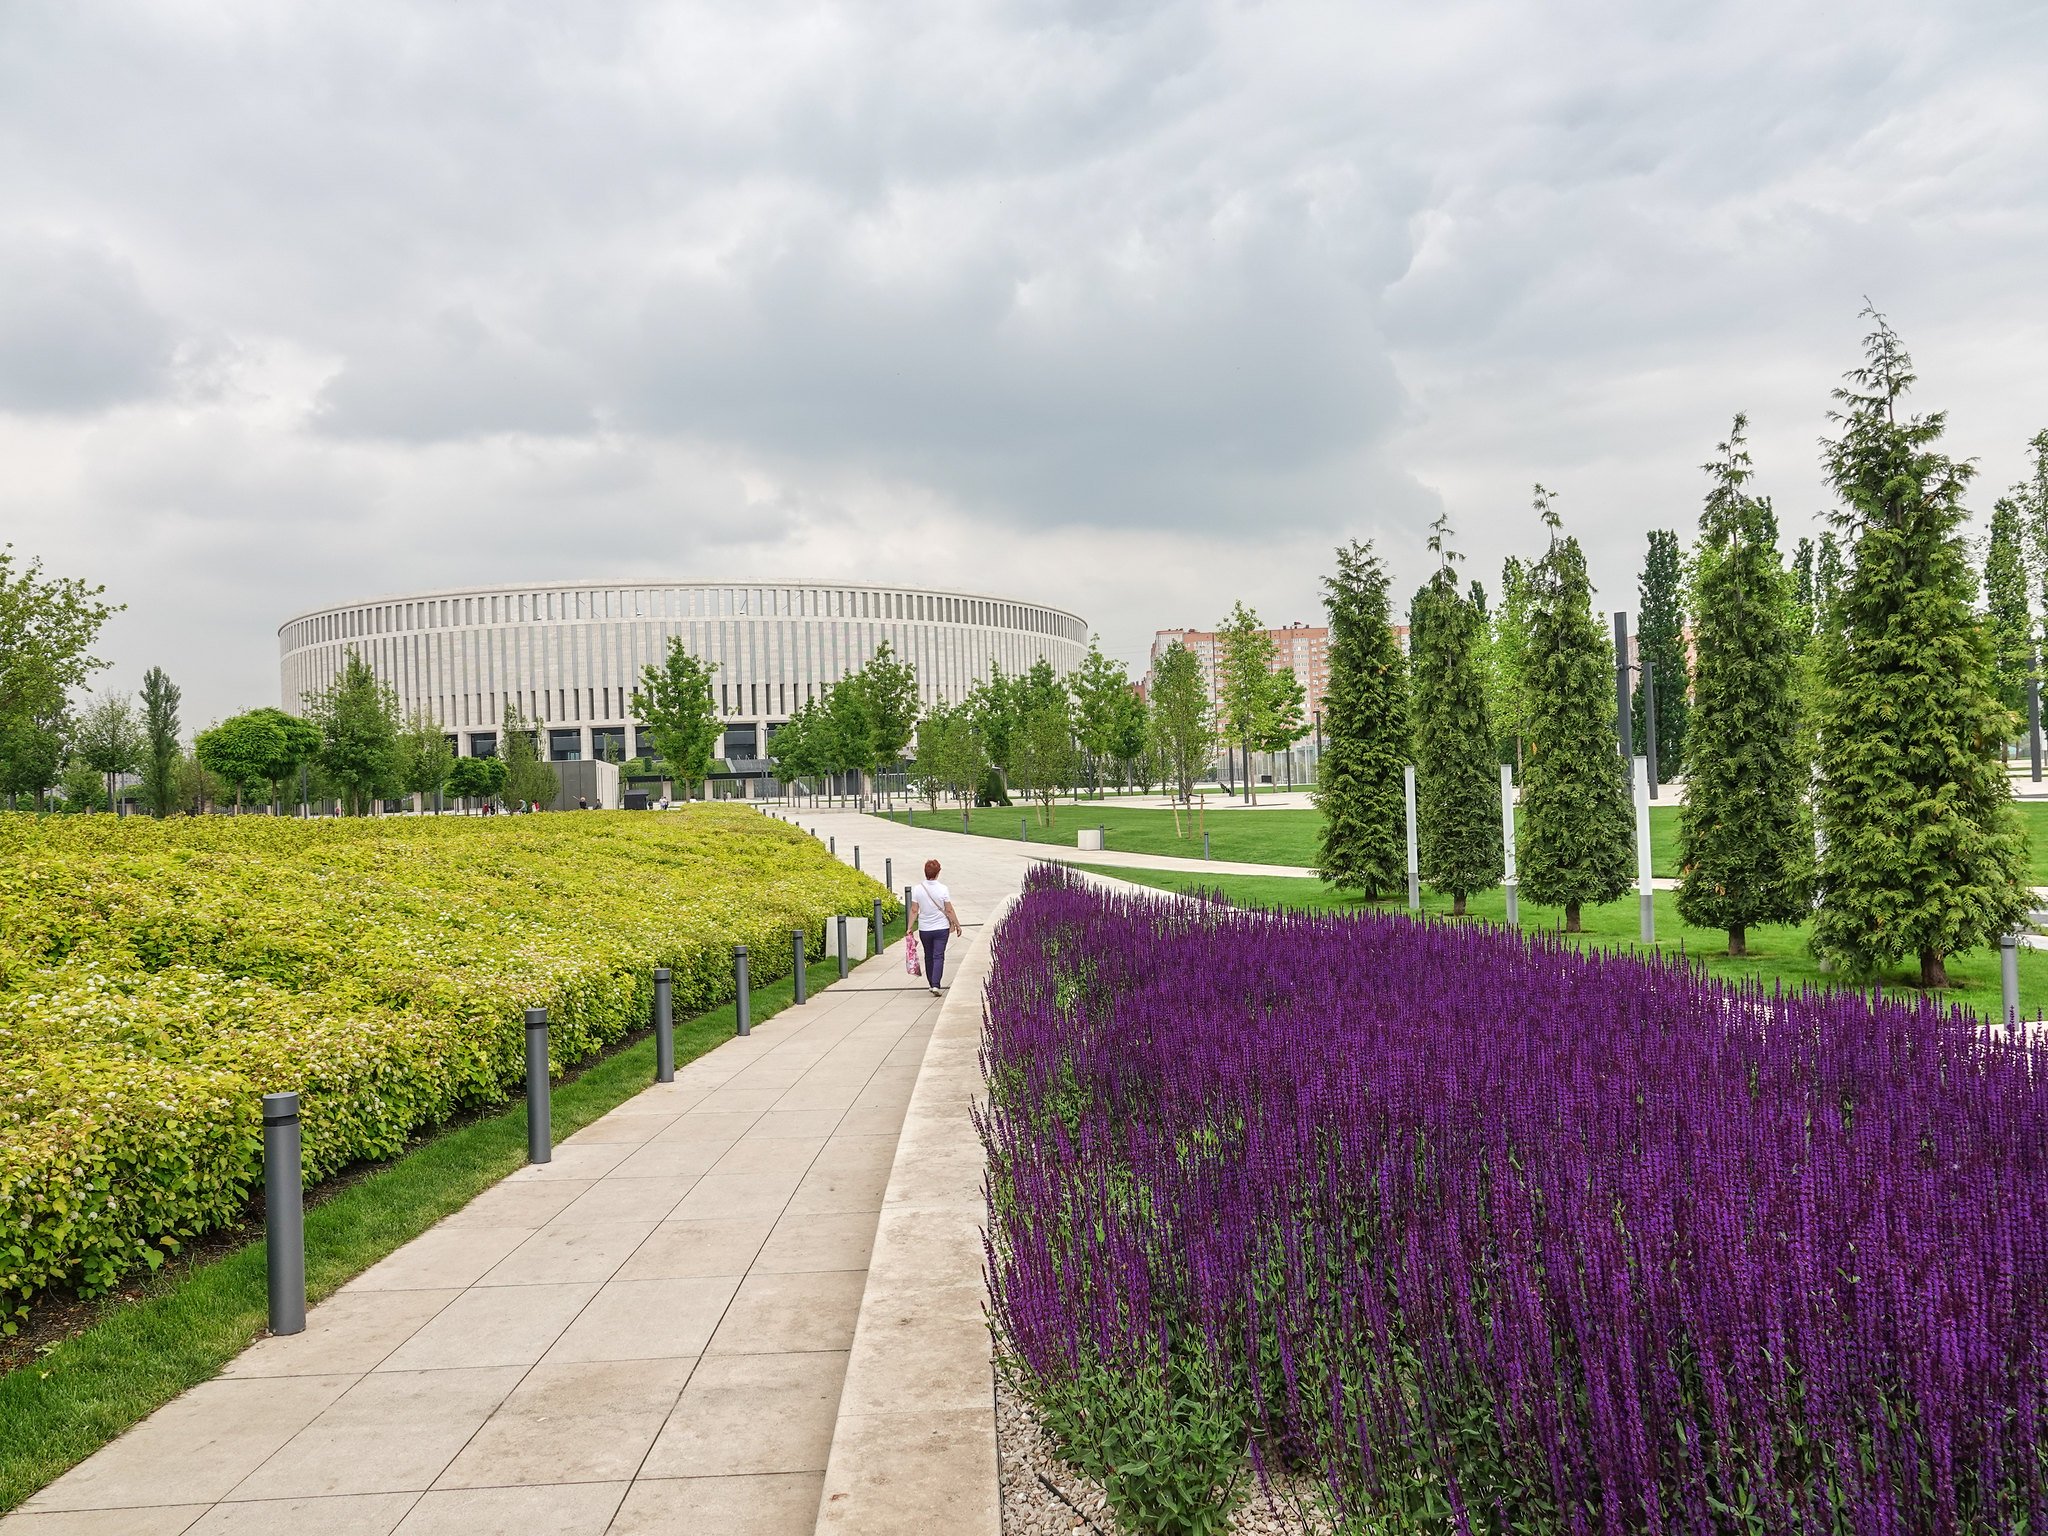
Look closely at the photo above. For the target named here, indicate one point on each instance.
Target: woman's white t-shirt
(930, 898)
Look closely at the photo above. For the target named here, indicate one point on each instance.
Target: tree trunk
(1932, 972)
(1738, 939)
(1571, 917)
(1458, 905)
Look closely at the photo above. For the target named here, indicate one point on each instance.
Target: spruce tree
(2007, 614)
(1744, 841)
(1457, 771)
(1923, 852)
(1660, 641)
(1577, 828)
(1364, 844)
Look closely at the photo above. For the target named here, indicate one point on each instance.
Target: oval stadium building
(569, 655)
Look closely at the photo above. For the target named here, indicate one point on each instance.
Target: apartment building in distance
(1304, 647)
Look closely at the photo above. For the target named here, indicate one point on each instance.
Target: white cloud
(1132, 307)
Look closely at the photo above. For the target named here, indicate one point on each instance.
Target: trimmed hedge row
(156, 978)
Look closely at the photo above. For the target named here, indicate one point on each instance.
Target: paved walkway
(646, 1334)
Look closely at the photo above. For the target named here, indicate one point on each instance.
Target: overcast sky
(1132, 308)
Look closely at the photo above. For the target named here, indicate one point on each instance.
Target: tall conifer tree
(1578, 830)
(1365, 732)
(2007, 613)
(1744, 841)
(1457, 772)
(1923, 854)
(1660, 641)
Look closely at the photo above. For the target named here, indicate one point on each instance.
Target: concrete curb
(914, 1447)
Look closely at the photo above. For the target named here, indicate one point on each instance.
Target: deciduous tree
(674, 700)
(159, 742)
(1183, 730)
(357, 716)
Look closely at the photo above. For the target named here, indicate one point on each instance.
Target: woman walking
(936, 923)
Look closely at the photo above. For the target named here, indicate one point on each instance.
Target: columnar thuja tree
(1365, 732)
(1576, 830)
(1660, 642)
(1457, 774)
(1744, 840)
(2008, 616)
(1923, 855)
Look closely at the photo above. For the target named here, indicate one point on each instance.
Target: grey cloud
(76, 333)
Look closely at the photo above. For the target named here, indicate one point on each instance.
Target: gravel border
(1043, 1496)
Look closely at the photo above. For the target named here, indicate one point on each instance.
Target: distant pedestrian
(583, 802)
(936, 923)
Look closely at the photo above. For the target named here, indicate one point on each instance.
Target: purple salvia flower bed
(1493, 1234)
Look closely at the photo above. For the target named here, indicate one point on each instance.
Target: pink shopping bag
(910, 961)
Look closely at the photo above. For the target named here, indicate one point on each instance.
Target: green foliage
(1042, 757)
(108, 739)
(1660, 642)
(357, 717)
(997, 707)
(1181, 728)
(1258, 703)
(159, 742)
(1102, 692)
(874, 711)
(1365, 732)
(1923, 854)
(476, 778)
(84, 789)
(1576, 831)
(1457, 773)
(243, 751)
(2007, 614)
(48, 626)
(424, 759)
(1508, 697)
(1744, 836)
(528, 778)
(681, 717)
(156, 979)
(1167, 1444)
(950, 759)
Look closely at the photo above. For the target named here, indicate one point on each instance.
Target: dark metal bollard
(1205, 845)
(742, 1004)
(539, 1133)
(1023, 833)
(802, 980)
(909, 913)
(888, 871)
(878, 925)
(842, 946)
(2009, 976)
(664, 1028)
(284, 1213)
(856, 855)
(832, 845)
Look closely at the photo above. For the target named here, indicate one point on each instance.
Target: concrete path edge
(914, 1445)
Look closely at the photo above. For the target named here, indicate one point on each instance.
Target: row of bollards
(284, 1200)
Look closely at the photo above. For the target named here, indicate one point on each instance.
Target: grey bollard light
(284, 1213)
(888, 871)
(802, 981)
(842, 946)
(742, 1004)
(664, 1027)
(832, 845)
(908, 911)
(1414, 866)
(2009, 975)
(1023, 832)
(878, 925)
(1205, 845)
(856, 855)
(539, 1133)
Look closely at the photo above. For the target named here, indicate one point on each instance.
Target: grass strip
(1777, 952)
(191, 1321)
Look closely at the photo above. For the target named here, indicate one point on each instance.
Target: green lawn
(191, 1320)
(1289, 837)
(1775, 953)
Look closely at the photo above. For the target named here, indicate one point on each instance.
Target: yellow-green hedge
(156, 978)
